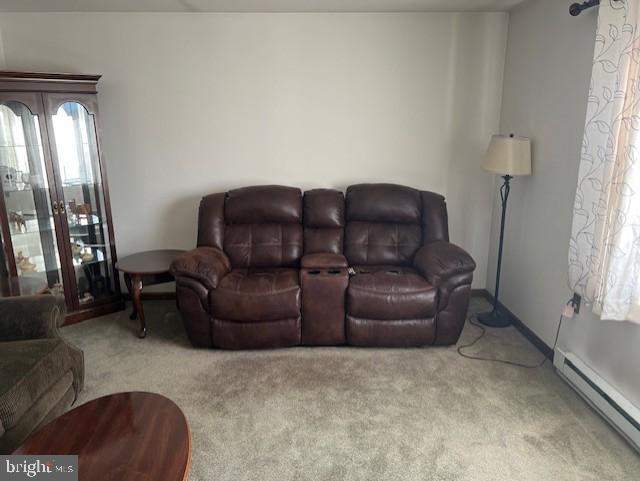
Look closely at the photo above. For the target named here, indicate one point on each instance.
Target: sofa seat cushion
(390, 293)
(255, 295)
(27, 370)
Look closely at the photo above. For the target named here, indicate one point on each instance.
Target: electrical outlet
(567, 311)
(577, 298)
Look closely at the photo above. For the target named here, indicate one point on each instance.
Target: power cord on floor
(505, 361)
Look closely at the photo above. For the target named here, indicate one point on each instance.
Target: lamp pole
(497, 318)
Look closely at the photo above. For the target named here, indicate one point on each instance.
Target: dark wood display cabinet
(55, 218)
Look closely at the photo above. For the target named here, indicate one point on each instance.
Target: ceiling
(255, 5)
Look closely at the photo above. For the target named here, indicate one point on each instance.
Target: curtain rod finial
(575, 9)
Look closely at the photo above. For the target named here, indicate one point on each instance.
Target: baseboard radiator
(604, 398)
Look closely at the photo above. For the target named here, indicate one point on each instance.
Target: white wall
(547, 75)
(199, 103)
(2, 60)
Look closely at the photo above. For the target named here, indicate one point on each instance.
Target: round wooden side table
(145, 269)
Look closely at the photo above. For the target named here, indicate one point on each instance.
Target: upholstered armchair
(40, 373)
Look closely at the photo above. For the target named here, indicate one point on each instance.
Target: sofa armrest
(446, 266)
(207, 265)
(324, 260)
(450, 270)
(440, 261)
(31, 317)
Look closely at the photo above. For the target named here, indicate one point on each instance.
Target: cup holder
(393, 271)
(334, 271)
(314, 272)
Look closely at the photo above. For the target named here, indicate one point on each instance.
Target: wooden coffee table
(145, 269)
(132, 436)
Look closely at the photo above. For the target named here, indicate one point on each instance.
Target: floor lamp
(507, 156)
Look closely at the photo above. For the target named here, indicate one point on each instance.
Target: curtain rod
(576, 8)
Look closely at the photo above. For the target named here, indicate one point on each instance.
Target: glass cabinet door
(75, 149)
(31, 261)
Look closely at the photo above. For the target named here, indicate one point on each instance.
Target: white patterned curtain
(604, 252)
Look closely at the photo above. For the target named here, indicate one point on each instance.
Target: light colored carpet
(359, 414)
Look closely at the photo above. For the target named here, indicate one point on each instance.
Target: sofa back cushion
(264, 204)
(383, 224)
(263, 226)
(323, 221)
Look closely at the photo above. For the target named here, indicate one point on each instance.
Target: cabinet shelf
(93, 222)
(77, 184)
(8, 192)
(30, 232)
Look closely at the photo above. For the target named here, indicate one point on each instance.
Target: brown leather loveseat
(276, 268)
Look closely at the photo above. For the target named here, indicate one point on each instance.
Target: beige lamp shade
(508, 155)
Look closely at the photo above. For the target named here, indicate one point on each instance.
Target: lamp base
(495, 318)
